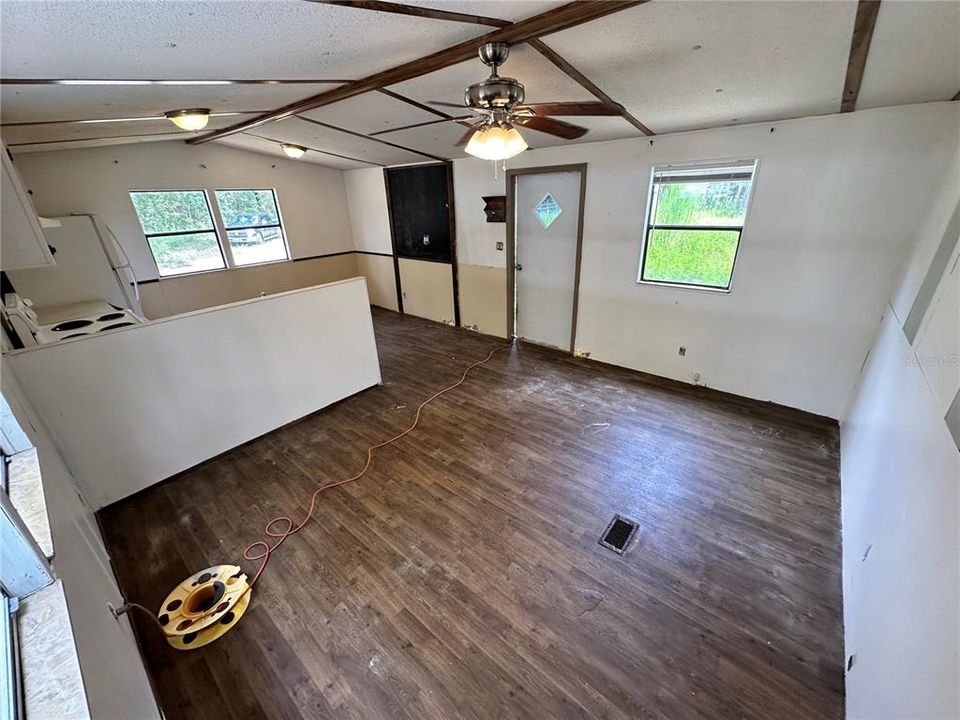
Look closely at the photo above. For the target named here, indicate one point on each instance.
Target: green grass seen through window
(695, 257)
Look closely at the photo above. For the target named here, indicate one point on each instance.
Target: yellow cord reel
(204, 606)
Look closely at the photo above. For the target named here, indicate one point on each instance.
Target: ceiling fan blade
(466, 136)
(572, 108)
(559, 128)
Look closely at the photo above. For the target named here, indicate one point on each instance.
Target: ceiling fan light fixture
(189, 119)
(294, 152)
(496, 142)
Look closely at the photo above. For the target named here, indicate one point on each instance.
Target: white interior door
(547, 207)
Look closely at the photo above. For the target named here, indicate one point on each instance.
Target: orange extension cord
(266, 549)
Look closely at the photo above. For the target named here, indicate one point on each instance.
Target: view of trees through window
(694, 228)
(252, 221)
(180, 230)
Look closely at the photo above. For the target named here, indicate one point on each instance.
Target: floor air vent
(618, 534)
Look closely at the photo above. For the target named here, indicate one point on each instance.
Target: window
(695, 218)
(252, 221)
(179, 229)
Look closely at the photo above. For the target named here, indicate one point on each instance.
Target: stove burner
(111, 316)
(75, 335)
(117, 325)
(71, 325)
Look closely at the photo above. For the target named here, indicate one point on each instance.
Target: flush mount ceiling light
(496, 142)
(190, 119)
(294, 152)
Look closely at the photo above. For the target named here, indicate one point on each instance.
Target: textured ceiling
(174, 40)
(703, 64)
(914, 55)
(252, 143)
(37, 103)
(301, 132)
(511, 10)
(370, 112)
(674, 65)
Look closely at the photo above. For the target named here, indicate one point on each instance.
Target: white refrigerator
(90, 265)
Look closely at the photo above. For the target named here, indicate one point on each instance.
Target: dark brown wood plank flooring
(461, 578)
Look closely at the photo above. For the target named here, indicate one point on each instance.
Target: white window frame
(218, 219)
(219, 230)
(648, 224)
(215, 230)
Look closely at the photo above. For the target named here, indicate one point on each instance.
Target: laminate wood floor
(462, 578)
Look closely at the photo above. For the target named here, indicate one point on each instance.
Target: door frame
(452, 219)
(512, 242)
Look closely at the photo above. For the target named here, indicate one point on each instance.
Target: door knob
(518, 266)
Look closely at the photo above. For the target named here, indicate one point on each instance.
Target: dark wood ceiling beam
(313, 149)
(414, 103)
(955, 97)
(585, 82)
(859, 49)
(399, 9)
(371, 138)
(561, 18)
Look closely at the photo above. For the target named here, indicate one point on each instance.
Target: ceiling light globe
(192, 119)
(496, 142)
(294, 152)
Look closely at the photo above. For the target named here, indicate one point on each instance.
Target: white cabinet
(22, 243)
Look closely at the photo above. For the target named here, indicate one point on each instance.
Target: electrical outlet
(696, 378)
(683, 351)
(500, 245)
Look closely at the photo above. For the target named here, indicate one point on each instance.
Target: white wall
(114, 677)
(312, 199)
(900, 471)
(836, 204)
(369, 217)
(169, 394)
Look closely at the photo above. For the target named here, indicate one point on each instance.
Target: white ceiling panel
(914, 55)
(542, 80)
(511, 10)
(300, 132)
(439, 139)
(370, 112)
(97, 142)
(36, 103)
(243, 141)
(165, 39)
(686, 65)
(18, 135)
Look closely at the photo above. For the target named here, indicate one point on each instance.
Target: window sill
(26, 495)
(681, 286)
(196, 273)
(50, 668)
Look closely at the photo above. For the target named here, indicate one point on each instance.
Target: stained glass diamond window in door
(547, 210)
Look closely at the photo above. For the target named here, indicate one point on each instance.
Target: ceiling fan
(499, 101)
